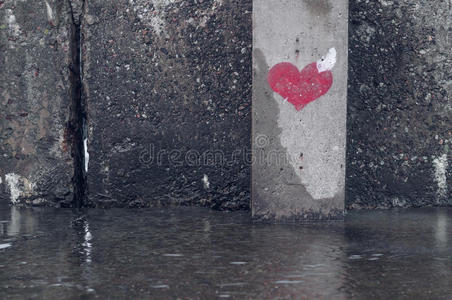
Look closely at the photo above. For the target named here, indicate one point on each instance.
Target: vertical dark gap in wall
(78, 113)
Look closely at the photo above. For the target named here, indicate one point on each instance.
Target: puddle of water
(198, 253)
(289, 281)
(163, 286)
(232, 284)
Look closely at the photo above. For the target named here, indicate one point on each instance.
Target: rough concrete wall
(168, 97)
(400, 97)
(35, 99)
(299, 137)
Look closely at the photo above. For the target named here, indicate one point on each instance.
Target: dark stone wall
(36, 165)
(167, 88)
(399, 104)
(168, 91)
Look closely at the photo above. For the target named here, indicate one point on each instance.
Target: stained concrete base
(36, 166)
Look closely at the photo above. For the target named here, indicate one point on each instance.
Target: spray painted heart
(301, 88)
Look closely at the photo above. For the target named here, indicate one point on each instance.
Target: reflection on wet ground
(193, 253)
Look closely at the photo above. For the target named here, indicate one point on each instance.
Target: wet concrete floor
(194, 253)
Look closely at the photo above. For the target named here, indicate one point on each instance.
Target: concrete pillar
(36, 166)
(299, 109)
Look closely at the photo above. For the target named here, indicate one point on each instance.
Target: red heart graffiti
(299, 88)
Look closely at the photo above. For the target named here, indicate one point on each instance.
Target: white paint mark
(18, 186)
(12, 23)
(162, 286)
(206, 182)
(50, 16)
(4, 246)
(173, 255)
(85, 149)
(440, 164)
(12, 180)
(327, 62)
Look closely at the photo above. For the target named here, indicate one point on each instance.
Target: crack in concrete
(78, 113)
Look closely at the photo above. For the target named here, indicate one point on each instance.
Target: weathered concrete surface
(299, 155)
(400, 113)
(35, 99)
(167, 87)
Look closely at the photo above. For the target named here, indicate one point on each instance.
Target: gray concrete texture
(35, 99)
(399, 104)
(298, 169)
(168, 95)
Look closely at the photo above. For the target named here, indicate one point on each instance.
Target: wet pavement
(194, 253)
